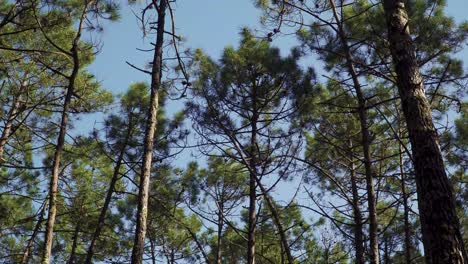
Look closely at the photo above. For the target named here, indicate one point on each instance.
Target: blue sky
(207, 24)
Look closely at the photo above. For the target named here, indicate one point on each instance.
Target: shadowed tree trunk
(439, 223)
(406, 209)
(357, 215)
(365, 140)
(219, 253)
(37, 227)
(252, 184)
(11, 116)
(143, 191)
(110, 191)
(72, 258)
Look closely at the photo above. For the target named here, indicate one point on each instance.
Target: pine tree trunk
(72, 258)
(12, 113)
(252, 217)
(386, 253)
(37, 227)
(365, 138)
(439, 223)
(407, 245)
(110, 192)
(252, 180)
(153, 252)
(143, 192)
(53, 187)
(277, 222)
(358, 235)
(219, 253)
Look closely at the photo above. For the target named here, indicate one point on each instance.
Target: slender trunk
(37, 227)
(440, 226)
(363, 119)
(277, 221)
(252, 220)
(386, 253)
(252, 182)
(72, 258)
(153, 249)
(405, 204)
(219, 253)
(143, 191)
(172, 257)
(255, 181)
(358, 234)
(12, 113)
(110, 191)
(53, 187)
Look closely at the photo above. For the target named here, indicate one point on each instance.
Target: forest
(348, 145)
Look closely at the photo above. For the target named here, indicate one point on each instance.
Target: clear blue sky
(206, 24)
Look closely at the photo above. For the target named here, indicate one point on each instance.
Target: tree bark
(439, 223)
(143, 192)
(110, 192)
(365, 138)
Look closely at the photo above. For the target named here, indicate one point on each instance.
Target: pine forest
(225, 132)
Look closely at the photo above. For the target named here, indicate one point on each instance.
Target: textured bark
(143, 191)
(110, 192)
(439, 223)
(365, 141)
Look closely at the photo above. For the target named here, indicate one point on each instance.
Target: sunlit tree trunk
(143, 191)
(53, 185)
(439, 223)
